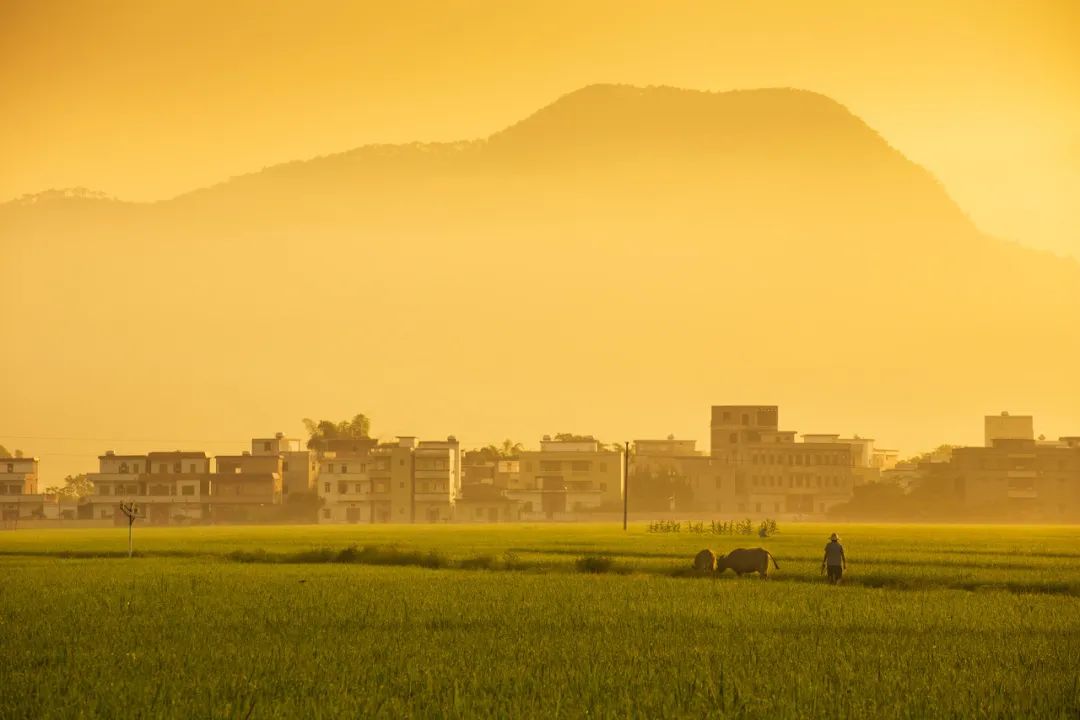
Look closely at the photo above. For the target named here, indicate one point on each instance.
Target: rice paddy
(536, 621)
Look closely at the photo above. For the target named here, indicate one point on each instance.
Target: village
(753, 469)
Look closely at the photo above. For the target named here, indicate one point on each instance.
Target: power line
(124, 440)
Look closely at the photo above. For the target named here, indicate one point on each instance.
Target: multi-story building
(485, 503)
(166, 486)
(179, 486)
(674, 475)
(771, 473)
(299, 466)
(245, 487)
(1007, 427)
(1014, 478)
(403, 482)
(19, 496)
(567, 476)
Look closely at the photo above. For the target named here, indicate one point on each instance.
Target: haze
(491, 308)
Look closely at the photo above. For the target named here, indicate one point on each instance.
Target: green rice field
(541, 621)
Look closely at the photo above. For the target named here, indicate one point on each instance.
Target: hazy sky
(145, 100)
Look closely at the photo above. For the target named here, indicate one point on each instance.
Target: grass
(537, 621)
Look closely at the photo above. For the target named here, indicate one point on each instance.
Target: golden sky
(146, 100)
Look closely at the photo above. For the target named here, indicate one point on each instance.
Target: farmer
(834, 559)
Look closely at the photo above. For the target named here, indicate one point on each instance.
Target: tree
(358, 427)
(942, 453)
(572, 437)
(509, 448)
(75, 487)
(493, 453)
(5, 454)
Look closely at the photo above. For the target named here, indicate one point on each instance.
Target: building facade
(19, 496)
(567, 477)
(771, 473)
(402, 482)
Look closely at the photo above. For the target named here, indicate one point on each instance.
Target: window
(401, 461)
(745, 419)
(603, 487)
(123, 468)
(326, 513)
(718, 484)
(135, 468)
(11, 467)
(285, 466)
(727, 418)
(580, 465)
(330, 468)
(177, 467)
(192, 469)
(344, 468)
(550, 466)
(402, 484)
(187, 490)
(104, 490)
(163, 468)
(326, 488)
(266, 446)
(342, 488)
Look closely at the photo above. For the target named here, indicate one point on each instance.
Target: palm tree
(510, 448)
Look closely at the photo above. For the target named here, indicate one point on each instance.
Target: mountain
(613, 263)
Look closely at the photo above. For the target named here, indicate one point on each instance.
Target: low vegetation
(541, 621)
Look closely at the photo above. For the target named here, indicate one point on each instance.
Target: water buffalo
(705, 561)
(747, 560)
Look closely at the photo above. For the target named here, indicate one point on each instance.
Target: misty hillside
(620, 249)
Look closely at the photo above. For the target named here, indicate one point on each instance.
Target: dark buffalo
(747, 560)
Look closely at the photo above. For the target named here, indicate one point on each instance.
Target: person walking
(834, 561)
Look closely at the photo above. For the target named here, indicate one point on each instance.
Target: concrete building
(1016, 478)
(19, 496)
(485, 503)
(403, 482)
(771, 473)
(167, 487)
(182, 486)
(246, 487)
(1007, 427)
(674, 475)
(299, 466)
(567, 477)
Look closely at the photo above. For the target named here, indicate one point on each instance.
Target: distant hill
(622, 257)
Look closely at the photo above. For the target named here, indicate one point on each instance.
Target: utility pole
(132, 511)
(625, 483)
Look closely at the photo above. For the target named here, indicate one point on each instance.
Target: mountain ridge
(680, 244)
